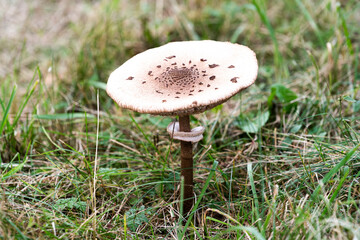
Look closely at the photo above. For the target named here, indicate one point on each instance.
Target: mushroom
(180, 79)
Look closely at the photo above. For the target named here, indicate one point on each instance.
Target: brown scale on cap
(213, 65)
(234, 79)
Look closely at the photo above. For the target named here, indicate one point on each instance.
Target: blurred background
(87, 39)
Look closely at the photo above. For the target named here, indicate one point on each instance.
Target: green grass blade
(17, 229)
(29, 92)
(32, 187)
(334, 170)
(7, 110)
(49, 138)
(203, 190)
(313, 60)
(10, 164)
(256, 201)
(181, 198)
(311, 21)
(277, 55)
(13, 170)
(145, 136)
(341, 183)
(345, 29)
(354, 181)
(18, 167)
(63, 116)
(237, 228)
(26, 100)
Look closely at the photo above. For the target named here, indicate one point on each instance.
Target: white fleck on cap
(182, 78)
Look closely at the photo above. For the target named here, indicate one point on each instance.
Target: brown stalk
(186, 166)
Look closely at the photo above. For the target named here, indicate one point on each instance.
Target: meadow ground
(281, 160)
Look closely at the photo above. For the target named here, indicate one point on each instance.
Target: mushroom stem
(186, 165)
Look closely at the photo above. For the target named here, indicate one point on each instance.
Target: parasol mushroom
(180, 79)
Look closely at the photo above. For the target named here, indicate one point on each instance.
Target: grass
(279, 161)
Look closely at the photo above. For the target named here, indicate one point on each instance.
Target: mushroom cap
(183, 78)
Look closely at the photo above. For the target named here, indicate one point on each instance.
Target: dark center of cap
(183, 77)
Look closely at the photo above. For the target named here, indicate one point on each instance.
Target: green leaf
(70, 203)
(357, 106)
(295, 128)
(136, 217)
(253, 125)
(284, 95)
(349, 99)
